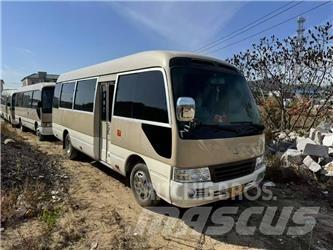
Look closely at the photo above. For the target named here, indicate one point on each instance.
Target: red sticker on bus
(118, 132)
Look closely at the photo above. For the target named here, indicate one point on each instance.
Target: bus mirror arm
(185, 109)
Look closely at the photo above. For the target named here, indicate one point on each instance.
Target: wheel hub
(141, 185)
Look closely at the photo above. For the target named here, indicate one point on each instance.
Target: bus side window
(104, 109)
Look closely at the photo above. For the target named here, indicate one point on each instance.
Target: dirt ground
(92, 207)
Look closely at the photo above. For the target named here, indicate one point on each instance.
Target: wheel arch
(131, 161)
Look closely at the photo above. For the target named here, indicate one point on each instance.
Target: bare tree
(292, 79)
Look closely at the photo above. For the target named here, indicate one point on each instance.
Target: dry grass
(28, 177)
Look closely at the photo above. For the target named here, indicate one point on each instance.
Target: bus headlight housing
(191, 175)
(260, 162)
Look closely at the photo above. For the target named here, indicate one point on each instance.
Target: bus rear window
(47, 99)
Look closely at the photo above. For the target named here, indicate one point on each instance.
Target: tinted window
(124, 98)
(36, 97)
(66, 99)
(27, 98)
(56, 96)
(85, 93)
(47, 99)
(142, 96)
(14, 100)
(18, 100)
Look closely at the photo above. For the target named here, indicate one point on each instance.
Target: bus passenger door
(107, 90)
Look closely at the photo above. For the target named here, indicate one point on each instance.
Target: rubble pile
(312, 153)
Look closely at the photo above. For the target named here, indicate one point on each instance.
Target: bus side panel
(28, 117)
(160, 173)
(128, 138)
(80, 126)
(129, 134)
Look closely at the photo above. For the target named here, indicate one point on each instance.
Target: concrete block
(282, 135)
(328, 169)
(302, 141)
(292, 135)
(318, 138)
(328, 140)
(324, 127)
(330, 151)
(311, 164)
(291, 156)
(312, 133)
(316, 150)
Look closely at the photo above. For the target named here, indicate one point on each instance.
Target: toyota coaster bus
(33, 108)
(7, 105)
(182, 127)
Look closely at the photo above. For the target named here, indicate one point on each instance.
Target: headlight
(260, 162)
(191, 175)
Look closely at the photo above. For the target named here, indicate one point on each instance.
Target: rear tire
(142, 187)
(70, 151)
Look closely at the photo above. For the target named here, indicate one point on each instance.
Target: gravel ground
(84, 205)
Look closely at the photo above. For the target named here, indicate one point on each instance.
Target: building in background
(2, 82)
(39, 77)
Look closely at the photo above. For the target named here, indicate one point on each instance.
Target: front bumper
(197, 194)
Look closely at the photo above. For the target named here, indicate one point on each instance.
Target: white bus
(33, 108)
(182, 127)
(7, 105)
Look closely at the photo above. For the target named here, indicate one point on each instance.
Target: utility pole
(300, 41)
(300, 31)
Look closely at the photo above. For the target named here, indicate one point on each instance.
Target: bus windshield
(47, 98)
(222, 98)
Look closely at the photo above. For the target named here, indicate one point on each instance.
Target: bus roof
(7, 92)
(140, 60)
(36, 86)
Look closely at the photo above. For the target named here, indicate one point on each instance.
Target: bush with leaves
(296, 73)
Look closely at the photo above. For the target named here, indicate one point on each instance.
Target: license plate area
(235, 191)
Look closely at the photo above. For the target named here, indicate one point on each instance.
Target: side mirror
(39, 104)
(185, 109)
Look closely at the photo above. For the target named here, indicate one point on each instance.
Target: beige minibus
(182, 127)
(33, 108)
(7, 105)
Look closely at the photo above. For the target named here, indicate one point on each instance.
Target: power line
(271, 27)
(247, 27)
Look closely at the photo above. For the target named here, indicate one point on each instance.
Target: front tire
(70, 151)
(142, 187)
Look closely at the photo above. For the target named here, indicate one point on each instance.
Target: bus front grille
(232, 170)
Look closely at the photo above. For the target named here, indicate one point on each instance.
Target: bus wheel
(142, 187)
(70, 151)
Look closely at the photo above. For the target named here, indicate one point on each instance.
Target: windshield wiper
(256, 125)
(219, 127)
